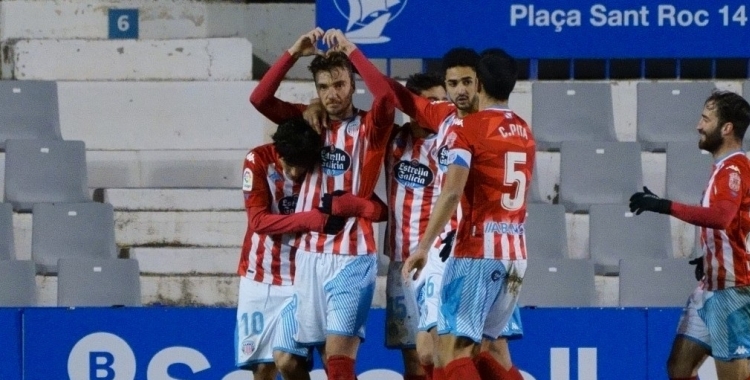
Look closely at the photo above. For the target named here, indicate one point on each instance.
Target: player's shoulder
(260, 155)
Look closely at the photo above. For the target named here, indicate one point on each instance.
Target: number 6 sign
(123, 23)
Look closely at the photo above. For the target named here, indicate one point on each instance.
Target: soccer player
(271, 179)
(715, 320)
(412, 186)
(335, 272)
(490, 166)
(459, 66)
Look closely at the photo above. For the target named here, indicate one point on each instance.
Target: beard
(711, 141)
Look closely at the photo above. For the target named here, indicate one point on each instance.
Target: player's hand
(648, 201)
(447, 245)
(698, 268)
(315, 115)
(417, 261)
(334, 225)
(337, 41)
(305, 44)
(330, 201)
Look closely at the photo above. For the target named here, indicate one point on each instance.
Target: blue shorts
(514, 328)
(478, 296)
(334, 295)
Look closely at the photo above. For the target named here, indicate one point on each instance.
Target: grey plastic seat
(98, 282)
(669, 111)
(45, 171)
(17, 283)
(28, 110)
(688, 172)
(598, 173)
(571, 111)
(7, 248)
(558, 283)
(615, 233)
(546, 231)
(656, 283)
(71, 230)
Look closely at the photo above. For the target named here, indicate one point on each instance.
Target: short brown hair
(330, 61)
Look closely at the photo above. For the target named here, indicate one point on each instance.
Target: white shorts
(334, 295)
(718, 321)
(429, 292)
(478, 296)
(402, 309)
(262, 324)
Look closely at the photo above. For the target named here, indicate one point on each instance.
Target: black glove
(327, 201)
(698, 267)
(334, 225)
(448, 244)
(648, 201)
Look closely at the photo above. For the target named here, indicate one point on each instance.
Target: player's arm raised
(264, 98)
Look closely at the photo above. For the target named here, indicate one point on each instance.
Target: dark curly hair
(460, 57)
(417, 83)
(731, 108)
(297, 143)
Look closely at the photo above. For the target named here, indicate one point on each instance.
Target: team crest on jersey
(287, 205)
(334, 161)
(352, 127)
(247, 180)
(413, 174)
(734, 182)
(248, 347)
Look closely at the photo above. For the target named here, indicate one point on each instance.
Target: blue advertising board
(10, 343)
(197, 344)
(544, 28)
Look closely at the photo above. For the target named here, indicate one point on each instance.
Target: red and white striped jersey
(351, 159)
(725, 252)
(267, 258)
(415, 171)
(498, 148)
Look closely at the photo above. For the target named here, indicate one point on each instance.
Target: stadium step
(138, 199)
(210, 59)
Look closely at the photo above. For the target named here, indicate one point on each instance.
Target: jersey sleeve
(254, 186)
(461, 151)
(426, 113)
(728, 184)
(264, 98)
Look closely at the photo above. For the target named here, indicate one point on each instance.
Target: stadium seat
(571, 111)
(7, 248)
(28, 110)
(688, 172)
(45, 171)
(70, 230)
(598, 172)
(545, 228)
(615, 233)
(17, 283)
(535, 194)
(669, 112)
(656, 282)
(558, 283)
(98, 282)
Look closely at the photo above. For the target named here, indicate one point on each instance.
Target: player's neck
(727, 148)
(486, 101)
(343, 115)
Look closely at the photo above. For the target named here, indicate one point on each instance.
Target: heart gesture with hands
(337, 41)
(305, 44)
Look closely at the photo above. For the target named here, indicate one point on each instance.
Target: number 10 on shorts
(123, 23)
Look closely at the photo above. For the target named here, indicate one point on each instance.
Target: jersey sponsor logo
(366, 19)
(287, 205)
(413, 174)
(443, 158)
(247, 180)
(248, 347)
(334, 161)
(734, 182)
(493, 227)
